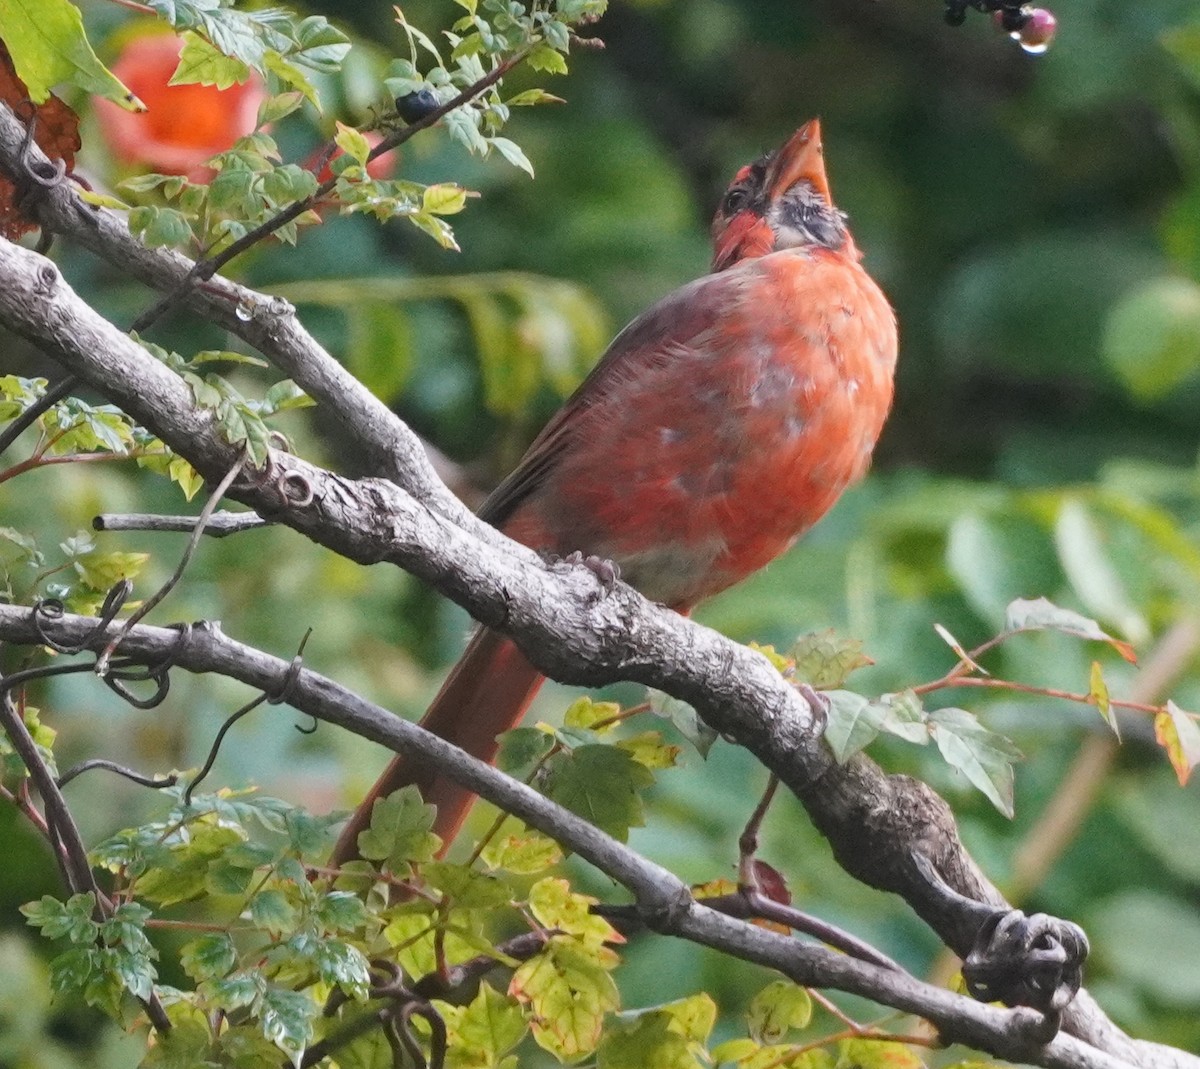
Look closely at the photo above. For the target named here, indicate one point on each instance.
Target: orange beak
(801, 159)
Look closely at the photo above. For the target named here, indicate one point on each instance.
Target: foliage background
(1037, 224)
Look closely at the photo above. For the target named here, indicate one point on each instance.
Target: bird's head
(780, 201)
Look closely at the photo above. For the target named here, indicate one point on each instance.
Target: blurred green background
(1036, 222)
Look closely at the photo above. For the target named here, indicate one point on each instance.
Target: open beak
(801, 159)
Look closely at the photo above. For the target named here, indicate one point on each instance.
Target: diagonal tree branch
(664, 902)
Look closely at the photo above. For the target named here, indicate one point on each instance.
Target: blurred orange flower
(184, 124)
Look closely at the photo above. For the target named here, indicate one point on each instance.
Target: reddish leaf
(771, 883)
(56, 134)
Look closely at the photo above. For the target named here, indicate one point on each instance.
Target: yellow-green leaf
(555, 905)
(876, 1054)
(649, 749)
(1177, 733)
(1098, 695)
(586, 713)
(569, 991)
(520, 850)
(777, 1009)
(201, 63)
(102, 570)
(48, 46)
(445, 198)
(353, 143)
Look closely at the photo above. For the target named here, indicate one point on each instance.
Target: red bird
(719, 426)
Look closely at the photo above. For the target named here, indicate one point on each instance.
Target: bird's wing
(656, 336)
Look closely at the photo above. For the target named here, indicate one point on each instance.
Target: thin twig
(36, 410)
(157, 782)
(1063, 815)
(156, 598)
(219, 524)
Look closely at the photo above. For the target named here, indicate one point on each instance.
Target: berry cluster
(1033, 27)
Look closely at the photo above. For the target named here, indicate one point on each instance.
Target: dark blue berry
(415, 106)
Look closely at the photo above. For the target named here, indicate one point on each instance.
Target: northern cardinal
(719, 426)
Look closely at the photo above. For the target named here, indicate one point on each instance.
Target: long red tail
(487, 693)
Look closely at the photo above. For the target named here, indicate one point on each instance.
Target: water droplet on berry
(1038, 33)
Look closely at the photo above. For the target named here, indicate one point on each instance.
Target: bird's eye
(734, 201)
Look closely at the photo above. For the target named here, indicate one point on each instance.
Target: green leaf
(983, 756)
(462, 125)
(71, 920)
(287, 1018)
(285, 396)
(186, 1046)
(240, 424)
(342, 965)
(160, 226)
(103, 570)
(319, 44)
(485, 1030)
(288, 183)
(1043, 615)
(686, 720)
(531, 97)
(49, 46)
(852, 722)
(234, 991)
(904, 716)
(734, 1050)
(825, 659)
(200, 63)
(1152, 337)
(208, 956)
(466, 888)
(242, 1046)
(279, 106)
(586, 712)
(602, 785)
(777, 1009)
(436, 228)
(399, 835)
(521, 749)
(272, 911)
(645, 1041)
(512, 152)
(544, 58)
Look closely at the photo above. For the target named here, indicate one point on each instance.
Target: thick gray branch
(664, 901)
